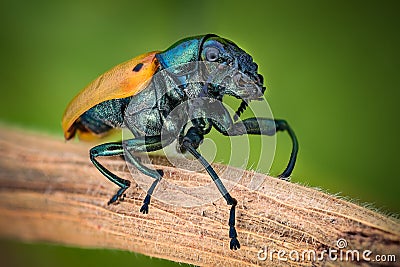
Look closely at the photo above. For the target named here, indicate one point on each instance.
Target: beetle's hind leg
(145, 144)
(141, 144)
(110, 149)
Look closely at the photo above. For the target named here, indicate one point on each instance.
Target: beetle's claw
(117, 196)
(284, 178)
(234, 245)
(145, 208)
(120, 195)
(113, 199)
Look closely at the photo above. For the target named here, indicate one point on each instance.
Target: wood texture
(49, 191)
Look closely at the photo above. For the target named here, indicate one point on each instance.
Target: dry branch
(49, 191)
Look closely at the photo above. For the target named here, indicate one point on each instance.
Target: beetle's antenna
(240, 110)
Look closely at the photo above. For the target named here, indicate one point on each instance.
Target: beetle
(126, 96)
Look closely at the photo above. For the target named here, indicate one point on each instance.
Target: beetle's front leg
(190, 142)
(265, 126)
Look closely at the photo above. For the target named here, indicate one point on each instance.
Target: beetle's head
(232, 70)
(242, 79)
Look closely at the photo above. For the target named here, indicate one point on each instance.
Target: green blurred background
(332, 69)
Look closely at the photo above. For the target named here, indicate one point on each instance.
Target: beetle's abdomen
(101, 118)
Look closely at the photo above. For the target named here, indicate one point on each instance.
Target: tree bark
(50, 191)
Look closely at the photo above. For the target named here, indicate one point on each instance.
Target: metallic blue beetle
(142, 93)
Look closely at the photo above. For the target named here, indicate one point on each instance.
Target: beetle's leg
(151, 143)
(110, 149)
(191, 141)
(117, 148)
(282, 125)
(181, 135)
(266, 126)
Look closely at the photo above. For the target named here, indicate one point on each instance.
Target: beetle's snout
(249, 87)
(241, 80)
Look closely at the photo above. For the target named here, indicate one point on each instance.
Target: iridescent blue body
(146, 113)
(110, 114)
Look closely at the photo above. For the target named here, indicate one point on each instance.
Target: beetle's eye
(212, 54)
